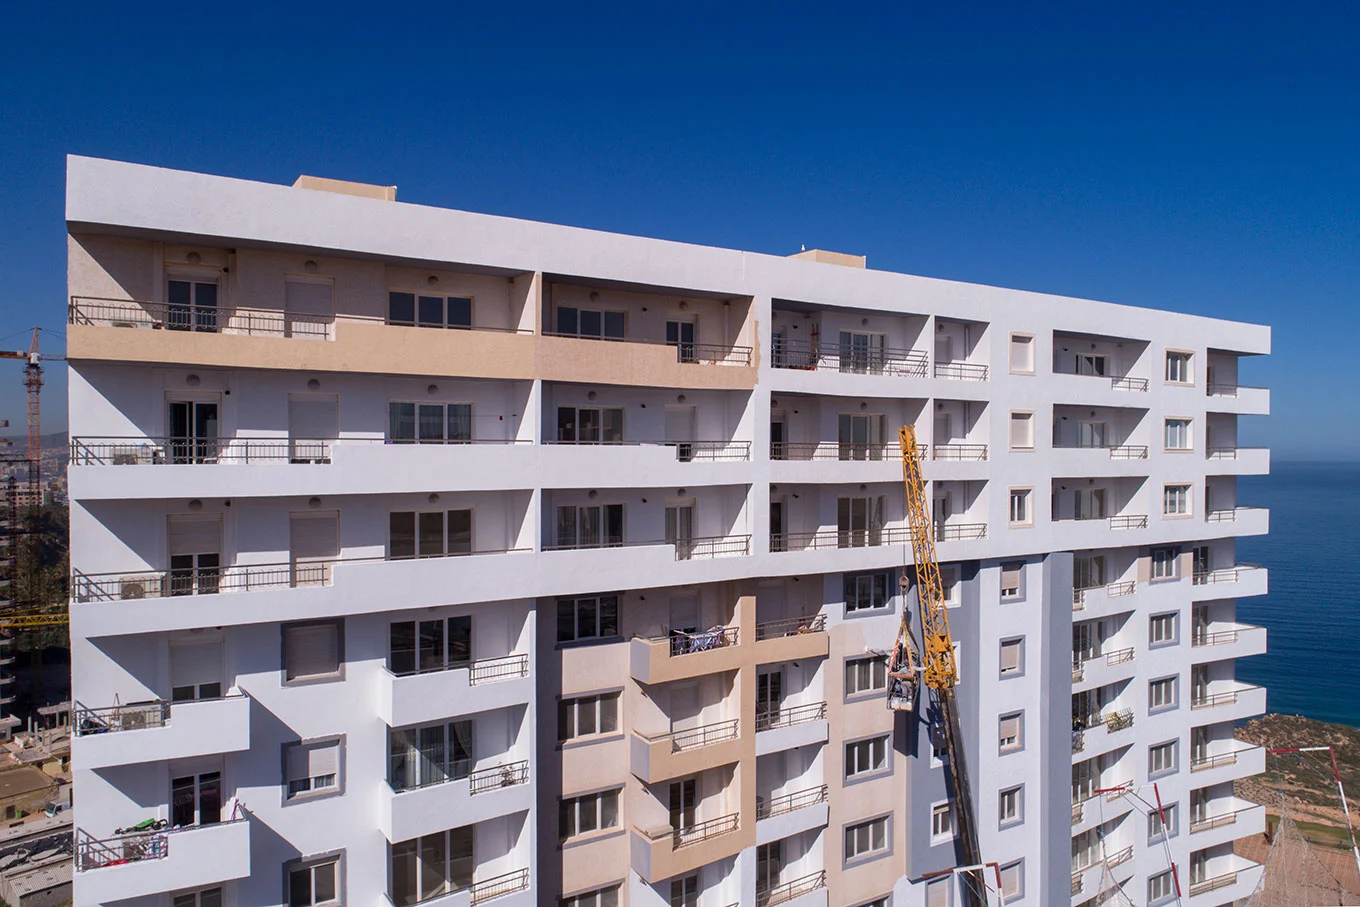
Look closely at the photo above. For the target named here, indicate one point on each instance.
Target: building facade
(425, 555)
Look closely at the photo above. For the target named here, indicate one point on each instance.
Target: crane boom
(939, 668)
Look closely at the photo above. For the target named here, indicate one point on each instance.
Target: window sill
(865, 695)
(590, 837)
(1178, 516)
(868, 612)
(1162, 710)
(590, 740)
(1164, 644)
(592, 641)
(863, 777)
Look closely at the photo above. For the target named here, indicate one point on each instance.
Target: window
(314, 884)
(422, 756)
(1020, 507)
(1022, 354)
(1012, 656)
(1161, 759)
(429, 311)
(600, 897)
(313, 651)
(1022, 431)
(1162, 694)
(1012, 581)
(862, 352)
(940, 892)
(1092, 434)
(1176, 434)
(1161, 887)
(313, 768)
(429, 533)
(1011, 731)
(591, 526)
(430, 866)
(1176, 500)
(680, 334)
(586, 716)
(208, 897)
(685, 892)
(1088, 504)
(1013, 880)
(191, 305)
(1091, 364)
(587, 813)
(941, 822)
(866, 837)
(1162, 629)
(591, 323)
(429, 423)
(949, 583)
(1178, 368)
(859, 521)
(939, 747)
(196, 800)
(1088, 572)
(587, 618)
(421, 646)
(1011, 806)
(1166, 563)
(589, 425)
(1156, 826)
(195, 670)
(864, 593)
(865, 756)
(865, 674)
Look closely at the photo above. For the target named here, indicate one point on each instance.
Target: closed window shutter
(314, 536)
(312, 298)
(313, 760)
(192, 664)
(313, 650)
(297, 763)
(1010, 731)
(1010, 580)
(313, 416)
(194, 535)
(1010, 656)
(1019, 431)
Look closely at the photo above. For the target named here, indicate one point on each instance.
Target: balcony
(787, 727)
(787, 892)
(1242, 461)
(158, 730)
(807, 356)
(841, 539)
(500, 886)
(961, 371)
(1242, 761)
(133, 866)
(630, 362)
(1237, 398)
(685, 549)
(1093, 597)
(1237, 581)
(1232, 878)
(1235, 641)
(1089, 671)
(785, 815)
(1227, 819)
(482, 794)
(681, 656)
(792, 638)
(661, 757)
(976, 453)
(1114, 452)
(805, 462)
(478, 686)
(666, 852)
(1239, 700)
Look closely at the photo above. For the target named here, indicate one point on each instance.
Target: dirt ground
(1339, 862)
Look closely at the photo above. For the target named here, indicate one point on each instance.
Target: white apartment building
(427, 556)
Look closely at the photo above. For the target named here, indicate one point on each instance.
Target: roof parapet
(831, 258)
(346, 187)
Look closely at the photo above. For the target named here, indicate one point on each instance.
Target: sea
(1312, 612)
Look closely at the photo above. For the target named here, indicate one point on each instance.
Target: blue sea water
(1312, 613)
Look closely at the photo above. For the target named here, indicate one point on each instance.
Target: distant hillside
(1309, 784)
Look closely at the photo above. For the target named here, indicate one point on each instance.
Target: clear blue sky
(1198, 157)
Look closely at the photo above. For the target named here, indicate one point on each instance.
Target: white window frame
(950, 578)
(315, 790)
(1156, 621)
(1155, 830)
(1186, 380)
(1163, 759)
(875, 666)
(608, 896)
(1015, 796)
(1167, 567)
(593, 803)
(941, 822)
(868, 756)
(1028, 340)
(853, 853)
(1026, 498)
(1017, 644)
(1184, 427)
(310, 866)
(576, 601)
(1177, 500)
(1167, 704)
(1161, 888)
(1016, 892)
(1018, 416)
(595, 704)
(867, 581)
(1017, 741)
(1018, 568)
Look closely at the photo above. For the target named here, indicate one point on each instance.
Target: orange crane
(33, 381)
(937, 665)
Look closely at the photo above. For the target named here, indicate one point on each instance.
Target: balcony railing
(123, 586)
(1204, 763)
(787, 803)
(499, 886)
(1119, 857)
(779, 717)
(685, 451)
(1117, 720)
(685, 549)
(1078, 811)
(974, 452)
(1201, 638)
(131, 717)
(1119, 656)
(1209, 823)
(807, 356)
(1129, 384)
(1129, 452)
(1129, 521)
(686, 352)
(826, 539)
(836, 450)
(94, 853)
(1219, 389)
(790, 626)
(1214, 700)
(961, 371)
(1221, 516)
(694, 834)
(239, 450)
(787, 891)
(131, 313)
(705, 641)
(494, 670)
(511, 774)
(1206, 885)
(1222, 574)
(1220, 453)
(693, 738)
(1077, 881)
(1078, 745)
(955, 532)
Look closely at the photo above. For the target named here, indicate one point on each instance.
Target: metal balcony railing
(1078, 745)
(1129, 521)
(693, 738)
(1077, 881)
(1214, 700)
(239, 450)
(499, 886)
(790, 626)
(130, 313)
(1220, 453)
(94, 853)
(685, 451)
(826, 539)
(1219, 389)
(973, 452)
(704, 641)
(1204, 763)
(1129, 452)
(957, 532)
(685, 549)
(836, 450)
(1221, 516)
(703, 831)
(771, 718)
(1199, 638)
(493, 670)
(1209, 823)
(807, 356)
(1119, 656)
(1117, 720)
(961, 371)
(787, 803)
(1129, 384)
(787, 891)
(1078, 811)
(1119, 857)
(1222, 574)
(495, 777)
(1206, 885)
(134, 716)
(685, 352)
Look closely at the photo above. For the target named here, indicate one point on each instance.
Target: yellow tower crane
(937, 664)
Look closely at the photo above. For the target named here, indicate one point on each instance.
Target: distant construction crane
(33, 382)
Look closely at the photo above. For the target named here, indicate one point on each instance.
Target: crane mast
(939, 669)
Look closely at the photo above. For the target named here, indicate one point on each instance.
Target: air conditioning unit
(133, 587)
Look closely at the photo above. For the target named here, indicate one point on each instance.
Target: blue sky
(1197, 157)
